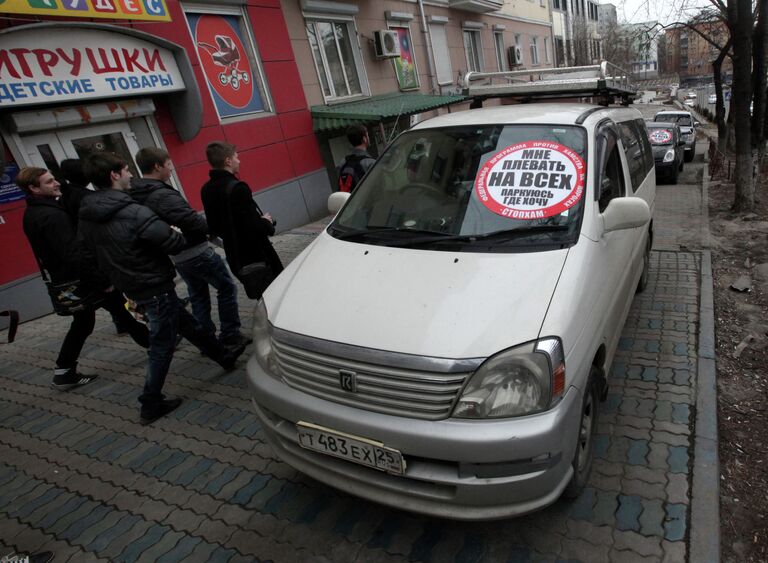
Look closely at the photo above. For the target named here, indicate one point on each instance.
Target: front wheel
(585, 445)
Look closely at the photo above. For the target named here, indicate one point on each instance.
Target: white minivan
(443, 346)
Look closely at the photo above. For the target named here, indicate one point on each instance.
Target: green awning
(376, 108)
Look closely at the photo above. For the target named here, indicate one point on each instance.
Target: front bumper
(455, 468)
(666, 168)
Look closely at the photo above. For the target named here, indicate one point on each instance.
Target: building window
(473, 48)
(337, 59)
(441, 54)
(546, 50)
(534, 50)
(498, 39)
(229, 60)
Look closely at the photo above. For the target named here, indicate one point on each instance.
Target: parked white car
(443, 346)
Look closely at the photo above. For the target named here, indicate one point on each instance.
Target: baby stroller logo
(226, 55)
(224, 60)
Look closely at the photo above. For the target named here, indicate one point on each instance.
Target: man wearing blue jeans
(198, 264)
(132, 245)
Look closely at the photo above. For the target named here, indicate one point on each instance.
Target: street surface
(79, 475)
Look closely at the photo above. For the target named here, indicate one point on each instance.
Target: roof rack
(606, 83)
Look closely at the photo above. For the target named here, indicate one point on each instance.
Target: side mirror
(336, 201)
(696, 123)
(681, 143)
(625, 213)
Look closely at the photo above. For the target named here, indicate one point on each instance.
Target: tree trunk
(717, 69)
(740, 24)
(759, 53)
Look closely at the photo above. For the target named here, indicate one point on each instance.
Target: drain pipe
(428, 41)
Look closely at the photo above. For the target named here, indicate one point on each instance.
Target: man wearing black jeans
(51, 233)
(132, 245)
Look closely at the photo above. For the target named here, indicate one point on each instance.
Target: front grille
(401, 392)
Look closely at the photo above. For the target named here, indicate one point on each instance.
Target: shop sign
(57, 65)
(224, 58)
(143, 10)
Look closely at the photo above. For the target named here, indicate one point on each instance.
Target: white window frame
(357, 57)
(498, 44)
(253, 54)
(546, 50)
(478, 47)
(534, 44)
(442, 56)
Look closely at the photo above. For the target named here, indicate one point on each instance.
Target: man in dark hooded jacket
(198, 264)
(52, 235)
(132, 245)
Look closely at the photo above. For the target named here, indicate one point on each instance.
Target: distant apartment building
(576, 37)
(690, 55)
(643, 40)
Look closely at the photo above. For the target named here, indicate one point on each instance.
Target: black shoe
(229, 359)
(68, 378)
(42, 557)
(234, 341)
(164, 407)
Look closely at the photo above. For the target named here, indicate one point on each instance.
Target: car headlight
(523, 380)
(262, 341)
(670, 156)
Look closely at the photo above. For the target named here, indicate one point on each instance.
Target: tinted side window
(642, 133)
(633, 151)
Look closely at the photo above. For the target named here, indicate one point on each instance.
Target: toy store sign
(531, 180)
(140, 10)
(59, 65)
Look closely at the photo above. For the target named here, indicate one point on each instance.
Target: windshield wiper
(343, 235)
(495, 235)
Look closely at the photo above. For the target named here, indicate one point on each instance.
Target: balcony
(477, 6)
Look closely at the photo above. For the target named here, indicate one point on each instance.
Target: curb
(704, 544)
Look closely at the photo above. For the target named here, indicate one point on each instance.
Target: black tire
(585, 447)
(643, 282)
(673, 175)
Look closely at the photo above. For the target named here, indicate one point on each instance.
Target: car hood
(430, 303)
(660, 150)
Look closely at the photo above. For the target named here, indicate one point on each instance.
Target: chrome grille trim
(398, 391)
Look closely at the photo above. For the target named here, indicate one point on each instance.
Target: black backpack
(351, 172)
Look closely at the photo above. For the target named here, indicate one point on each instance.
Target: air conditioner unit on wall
(386, 44)
(515, 56)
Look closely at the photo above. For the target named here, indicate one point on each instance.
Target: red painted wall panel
(296, 124)
(305, 155)
(272, 35)
(265, 166)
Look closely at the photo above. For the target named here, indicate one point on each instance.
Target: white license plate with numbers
(352, 448)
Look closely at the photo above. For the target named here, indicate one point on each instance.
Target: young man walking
(233, 215)
(52, 235)
(197, 263)
(357, 163)
(132, 245)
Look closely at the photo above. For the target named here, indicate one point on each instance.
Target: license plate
(352, 448)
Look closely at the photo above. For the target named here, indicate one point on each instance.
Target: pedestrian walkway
(81, 477)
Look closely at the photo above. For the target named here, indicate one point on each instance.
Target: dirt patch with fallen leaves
(740, 266)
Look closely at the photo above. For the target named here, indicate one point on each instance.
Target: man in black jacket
(198, 264)
(51, 233)
(132, 245)
(233, 215)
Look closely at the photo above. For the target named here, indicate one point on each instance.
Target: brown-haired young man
(132, 245)
(233, 215)
(52, 235)
(197, 263)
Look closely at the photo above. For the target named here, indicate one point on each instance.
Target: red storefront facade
(224, 71)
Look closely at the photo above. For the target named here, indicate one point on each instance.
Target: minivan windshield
(478, 187)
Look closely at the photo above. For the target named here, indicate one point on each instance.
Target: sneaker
(164, 407)
(229, 359)
(68, 378)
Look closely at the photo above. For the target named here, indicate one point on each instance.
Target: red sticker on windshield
(660, 136)
(531, 180)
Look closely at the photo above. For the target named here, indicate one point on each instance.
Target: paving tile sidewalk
(80, 477)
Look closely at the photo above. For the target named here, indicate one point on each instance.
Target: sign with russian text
(57, 65)
(223, 55)
(531, 180)
(146, 10)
